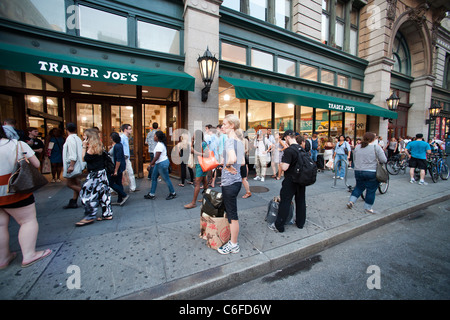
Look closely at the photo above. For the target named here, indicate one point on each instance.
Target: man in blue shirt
(124, 137)
(417, 152)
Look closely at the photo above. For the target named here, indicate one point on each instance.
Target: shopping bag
(208, 163)
(330, 164)
(216, 231)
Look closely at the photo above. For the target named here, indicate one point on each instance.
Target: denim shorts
(230, 194)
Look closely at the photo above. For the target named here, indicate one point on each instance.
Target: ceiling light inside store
(86, 85)
(144, 91)
(50, 101)
(226, 97)
(290, 105)
(34, 99)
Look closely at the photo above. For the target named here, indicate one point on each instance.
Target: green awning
(264, 92)
(41, 62)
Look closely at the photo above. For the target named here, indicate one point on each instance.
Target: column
(377, 81)
(420, 98)
(201, 30)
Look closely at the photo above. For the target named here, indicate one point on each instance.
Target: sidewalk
(151, 249)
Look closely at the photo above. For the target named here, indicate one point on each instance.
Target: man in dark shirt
(34, 142)
(289, 189)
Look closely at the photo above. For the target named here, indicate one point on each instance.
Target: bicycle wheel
(444, 171)
(392, 167)
(384, 186)
(434, 173)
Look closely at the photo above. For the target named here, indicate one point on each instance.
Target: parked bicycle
(397, 163)
(431, 169)
(441, 166)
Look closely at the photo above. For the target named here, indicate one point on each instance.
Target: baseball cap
(288, 133)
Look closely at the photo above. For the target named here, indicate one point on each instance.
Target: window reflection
(103, 26)
(158, 38)
(284, 116)
(48, 14)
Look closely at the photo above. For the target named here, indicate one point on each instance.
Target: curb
(212, 281)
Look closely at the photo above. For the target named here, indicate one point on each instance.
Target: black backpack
(305, 170)
(109, 164)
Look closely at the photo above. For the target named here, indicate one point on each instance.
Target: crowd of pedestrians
(274, 155)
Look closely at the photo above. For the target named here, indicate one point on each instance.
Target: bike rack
(345, 163)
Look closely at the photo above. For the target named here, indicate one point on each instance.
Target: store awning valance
(264, 92)
(37, 61)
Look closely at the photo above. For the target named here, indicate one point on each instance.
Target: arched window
(400, 54)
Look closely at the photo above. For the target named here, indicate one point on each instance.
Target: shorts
(418, 163)
(230, 194)
(244, 171)
(19, 204)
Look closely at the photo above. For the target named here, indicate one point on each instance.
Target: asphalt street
(404, 260)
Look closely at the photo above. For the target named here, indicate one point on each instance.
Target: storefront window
(262, 60)
(322, 123)
(233, 53)
(327, 77)
(349, 128)
(356, 84)
(34, 103)
(33, 82)
(104, 26)
(286, 66)
(284, 116)
(342, 81)
(152, 113)
(259, 114)
(49, 14)
(308, 72)
(336, 123)
(229, 104)
(89, 116)
(306, 120)
(158, 38)
(52, 106)
(361, 126)
(6, 107)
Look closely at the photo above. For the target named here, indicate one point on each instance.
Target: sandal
(247, 195)
(84, 222)
(190, 206)
(181, 185)
(45, 254)
(104, 218)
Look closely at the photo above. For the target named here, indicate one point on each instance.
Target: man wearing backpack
(290, 188)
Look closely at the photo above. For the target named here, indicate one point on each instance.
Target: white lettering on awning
(86, 72)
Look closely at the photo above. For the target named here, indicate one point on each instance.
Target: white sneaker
(423, 183)
(262, 179)
(257, 178)
(412, 181)
(228, 248)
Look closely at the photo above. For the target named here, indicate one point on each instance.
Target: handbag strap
(375, 150)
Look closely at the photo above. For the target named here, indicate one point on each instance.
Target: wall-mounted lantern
(207, 64)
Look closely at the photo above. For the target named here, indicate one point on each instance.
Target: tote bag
(209, 163)
(26, 178)
(382, 173)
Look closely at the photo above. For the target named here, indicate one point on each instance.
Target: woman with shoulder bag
(20, 206)
(234, 158)
(95, 190)
(366, 157)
